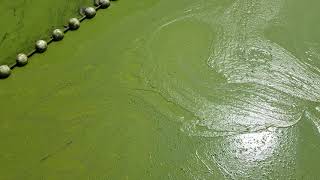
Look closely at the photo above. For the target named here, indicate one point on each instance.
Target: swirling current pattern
(263, 86)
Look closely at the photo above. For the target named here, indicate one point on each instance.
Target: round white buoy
(74, 23)
(22, 59)
(90, 12)
(104, 3)
(57, 35)
(5, 71)
(41, 46)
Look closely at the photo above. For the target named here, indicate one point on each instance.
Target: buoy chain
(57, 35)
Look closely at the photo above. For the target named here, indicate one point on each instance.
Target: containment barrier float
(57, 35)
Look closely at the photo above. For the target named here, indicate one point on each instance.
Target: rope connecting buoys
(57, 35)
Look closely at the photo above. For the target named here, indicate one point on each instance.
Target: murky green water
(154, 89)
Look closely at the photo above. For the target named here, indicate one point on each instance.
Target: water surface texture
(150, 89)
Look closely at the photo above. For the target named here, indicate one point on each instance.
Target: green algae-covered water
(154, 89)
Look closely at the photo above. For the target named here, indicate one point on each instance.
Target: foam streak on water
(265, 85)
(243, 55)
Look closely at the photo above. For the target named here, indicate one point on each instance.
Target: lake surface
(150, 89)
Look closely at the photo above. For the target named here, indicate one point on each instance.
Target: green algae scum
(154, 90)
